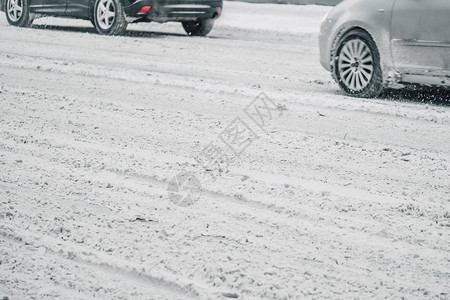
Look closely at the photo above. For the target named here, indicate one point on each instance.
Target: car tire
(357, 68)
(109, 17)
(200, 27)
(17, 13)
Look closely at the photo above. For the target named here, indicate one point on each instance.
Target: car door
(78, 8)
(33, 4)
(53, 7)
(420, 37)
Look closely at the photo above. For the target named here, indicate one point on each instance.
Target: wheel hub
(355, 65)
(106, 14)
(15, 8)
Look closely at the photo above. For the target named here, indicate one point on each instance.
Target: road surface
(336, 197)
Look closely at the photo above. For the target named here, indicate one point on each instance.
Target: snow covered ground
(342, 198)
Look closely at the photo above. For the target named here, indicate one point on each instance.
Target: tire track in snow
(152, 185)
(129, 271)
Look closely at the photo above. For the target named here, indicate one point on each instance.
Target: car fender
(374, 17)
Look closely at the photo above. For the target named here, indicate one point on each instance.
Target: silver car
(369, 45)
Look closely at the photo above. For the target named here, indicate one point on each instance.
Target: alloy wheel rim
(355, 65)
(15, 8)
(106, 13)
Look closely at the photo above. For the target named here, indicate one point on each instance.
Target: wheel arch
(91, 8)
(381, 38)
(125, 3)
(343, 31)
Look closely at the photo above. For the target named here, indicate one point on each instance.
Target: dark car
(111, 17)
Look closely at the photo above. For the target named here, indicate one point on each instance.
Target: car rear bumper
(175, 10)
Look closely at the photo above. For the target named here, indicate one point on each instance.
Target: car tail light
(144, 9)
(219, 10)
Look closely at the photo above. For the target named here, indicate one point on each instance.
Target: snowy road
(344, 198)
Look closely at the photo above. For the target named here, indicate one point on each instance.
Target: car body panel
(57, 7)
(421, 37)
(79, 8)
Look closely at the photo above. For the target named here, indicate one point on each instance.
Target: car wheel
(109, 17)
(17, 13)
(357, 67)
(199, 27)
